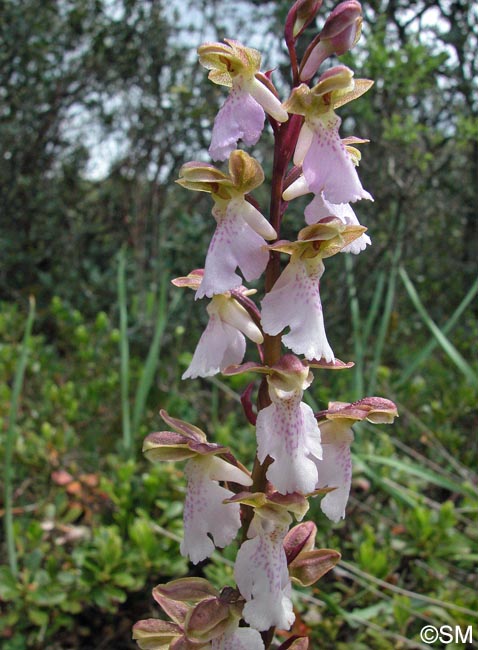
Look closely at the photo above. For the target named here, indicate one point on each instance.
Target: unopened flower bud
(209, 619)
(192, 590)
(343, 27)
(310, 566)
(301, 14)
(340, 33)
(298, 539)
(153, 633)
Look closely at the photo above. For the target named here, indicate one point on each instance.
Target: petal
(298, 188)
(294, 301)
(257, 221)
(306, 135)
(234, 244)
(220, 345)
(242, 638)
(263, 579)
(317, 56)
(288, 432)
(327, 166)
(319, 208)
(205, 514)
(267, 100)
(221, 470)
(335, 470)
(240, 118)
(156, 634)
(234, 314)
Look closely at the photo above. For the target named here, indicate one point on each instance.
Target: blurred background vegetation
(101, 101)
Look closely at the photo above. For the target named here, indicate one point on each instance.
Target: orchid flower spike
(223, 341)
(294, 300)
(335, 467)
(239, 239)
(261, 570)
(206, 516)
(242, 115)
(327, 164)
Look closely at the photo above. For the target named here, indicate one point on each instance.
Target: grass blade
(421, 472)
(356, 329)
(10, 439)
(389, 300)
(442, 340)
(387, 486)
(374, 307)
(431, 345)
(124, 352)
(152, 360)
(382, 330)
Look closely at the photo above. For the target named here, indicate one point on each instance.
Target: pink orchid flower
(208, 521)
(327, 164)
(294, 300)
(223, 341)
(243, 113)
(287, 430)
(260, 570)
(335, 467)
(241, 230)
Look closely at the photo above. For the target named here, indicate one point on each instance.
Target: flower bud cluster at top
(300, 453)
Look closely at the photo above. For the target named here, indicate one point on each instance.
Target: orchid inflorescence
(300, 454)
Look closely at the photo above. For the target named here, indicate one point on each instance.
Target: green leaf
(423, 473)
(38, 617)
(446, 345)
(9, 587)
(425, 352)
(124, 352)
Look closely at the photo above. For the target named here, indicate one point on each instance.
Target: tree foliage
(110, 86)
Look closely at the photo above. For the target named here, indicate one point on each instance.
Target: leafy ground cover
(95, 526)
